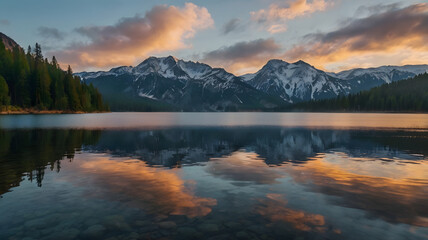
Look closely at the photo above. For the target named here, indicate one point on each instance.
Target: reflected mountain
(243, 168)
(26, 153)
(383, 173)
(277, 146)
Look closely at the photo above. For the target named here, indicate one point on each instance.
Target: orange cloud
(157, 191)
(379, 37)
(274, 208)
(163, 28)
(276, 16)
(395, 193)
(242, 167)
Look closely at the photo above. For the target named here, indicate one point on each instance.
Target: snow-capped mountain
(184, 85)
(169, 83)
(296, 82)
(366, 78)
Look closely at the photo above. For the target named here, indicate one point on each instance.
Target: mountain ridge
(176, 82)
(185, 85)
(8, 42)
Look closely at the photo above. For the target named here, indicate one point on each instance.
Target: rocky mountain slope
(295, 82)
(181, 85)
(172, 84)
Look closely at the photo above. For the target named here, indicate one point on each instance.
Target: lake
(214, 176)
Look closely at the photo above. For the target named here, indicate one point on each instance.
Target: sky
(238, 35)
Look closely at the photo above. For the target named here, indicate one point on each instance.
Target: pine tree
(28, 80)
(54, 62)
(4, 92)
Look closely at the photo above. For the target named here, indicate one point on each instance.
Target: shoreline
(39, 112)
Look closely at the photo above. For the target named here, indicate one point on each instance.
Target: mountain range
(168, 83)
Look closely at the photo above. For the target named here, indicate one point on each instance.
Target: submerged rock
(167, 225)
(95, 231)
(187, 231)
(208, 227)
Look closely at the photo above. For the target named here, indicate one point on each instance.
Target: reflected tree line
(26, 154)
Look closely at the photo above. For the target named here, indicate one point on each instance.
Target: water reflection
(274, 207)
(157, 191)
(244, 168)
(232, 182)
(276, 146)
(28, 152)
(396, 198)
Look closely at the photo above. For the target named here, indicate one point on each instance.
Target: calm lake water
(214, 176)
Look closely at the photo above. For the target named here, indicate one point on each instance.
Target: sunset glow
(347, 34)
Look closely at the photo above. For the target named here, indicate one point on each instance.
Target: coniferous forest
(29, 81)
(410, 95)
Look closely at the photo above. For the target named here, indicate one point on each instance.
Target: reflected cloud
(274, 207)
(155, 190)
(396, 198)
(244, 167)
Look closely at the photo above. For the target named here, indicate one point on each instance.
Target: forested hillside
(28, 81)
(409, 95)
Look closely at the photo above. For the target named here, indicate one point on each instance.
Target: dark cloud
(231, 26)
(52, 33)
(379, 8)
(242, 56)
(244, 50)
(4, 22)
(389, 30)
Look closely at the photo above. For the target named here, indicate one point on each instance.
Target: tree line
(410, 95)
(29, 81)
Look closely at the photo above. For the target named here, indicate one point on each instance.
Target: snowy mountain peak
(303, 63)
(293, 82)
(167, 67)
(275, 63)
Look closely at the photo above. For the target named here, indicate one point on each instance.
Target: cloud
(163, 28)
(243, 168)
(383, 34)
(51, 33)
(372, 9)
(4, 22)
(395, 196)
(274, 207)
(243, 56)
(231, 26)
(276, 16)
(156, 191)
